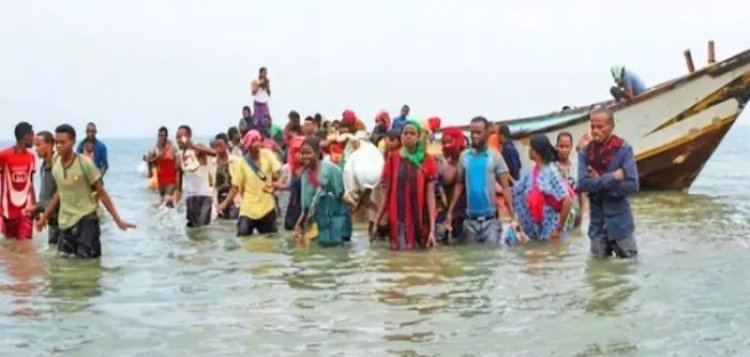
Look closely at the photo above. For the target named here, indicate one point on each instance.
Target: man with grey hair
(608, 173)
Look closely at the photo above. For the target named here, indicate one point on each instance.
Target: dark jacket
(512, 159)
(609, 202)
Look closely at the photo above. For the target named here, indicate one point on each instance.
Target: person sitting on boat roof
(628, 84)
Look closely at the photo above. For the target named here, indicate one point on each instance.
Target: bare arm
(153, 157)
(199, 148)
(107, 202)
(254, 87)
(504, 180)
(178, 182)
(458, 190)
(629, 93)
(567, 205)
(284, 181)
(383, 204)
(229, 199)
(32, 201)
(431, 205)
(49, 211)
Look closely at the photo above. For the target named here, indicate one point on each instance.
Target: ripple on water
(167, 291)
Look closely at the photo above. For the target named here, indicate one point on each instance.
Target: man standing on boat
(479, 169)
(261, 90)
(608, 173)
(628, 84)
(100, 150)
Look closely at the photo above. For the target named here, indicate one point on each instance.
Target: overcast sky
(131, 66)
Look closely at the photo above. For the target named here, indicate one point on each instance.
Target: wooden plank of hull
(677, 164)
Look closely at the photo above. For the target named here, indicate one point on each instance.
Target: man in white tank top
(194, 178)
(261, 90)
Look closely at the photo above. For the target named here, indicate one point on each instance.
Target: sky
(132, 66)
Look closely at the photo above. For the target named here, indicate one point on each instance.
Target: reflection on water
(165, 290)
(26, 273)
(609, 285)
(72, 284)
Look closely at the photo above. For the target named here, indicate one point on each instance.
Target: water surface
(161, 291)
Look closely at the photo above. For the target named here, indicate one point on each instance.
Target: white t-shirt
(261, 96)
(196, 178)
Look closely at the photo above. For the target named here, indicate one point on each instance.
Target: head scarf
(543, 147)
(250, 138)
(458, 142)
(295, 144)
(383, 118)
(416, 156)
(349, 117)
(434, 124)
(617, 72)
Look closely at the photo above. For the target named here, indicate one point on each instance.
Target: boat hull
(674, 128)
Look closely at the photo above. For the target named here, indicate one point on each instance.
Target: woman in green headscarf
(322, 198)
(408, 185)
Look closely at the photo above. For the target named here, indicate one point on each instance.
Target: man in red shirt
(17, 201)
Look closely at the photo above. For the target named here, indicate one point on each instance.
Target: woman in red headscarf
(292, 183)
(453, 143)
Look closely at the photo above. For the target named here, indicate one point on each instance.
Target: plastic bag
(363, 168)
(143, 168)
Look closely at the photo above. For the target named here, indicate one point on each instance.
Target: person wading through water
(453, 143)
(408, 184)
(17, 201)
(608, 173)
(194, 178)
(79, 190)
(256, 174)
(224, 164)
(322, 198)
(99, 149)
(479, 170)
(164, 156)
(543, 198)
(44, 142)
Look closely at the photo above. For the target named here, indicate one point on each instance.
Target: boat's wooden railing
(713, 69)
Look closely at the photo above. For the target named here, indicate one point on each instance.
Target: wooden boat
(674, 127)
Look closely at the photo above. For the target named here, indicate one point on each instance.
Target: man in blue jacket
(608, 173)
(100, 150)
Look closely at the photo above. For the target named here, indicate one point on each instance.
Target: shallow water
(160, 291)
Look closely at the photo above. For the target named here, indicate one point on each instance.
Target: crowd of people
(472, 190)
(71, 189)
